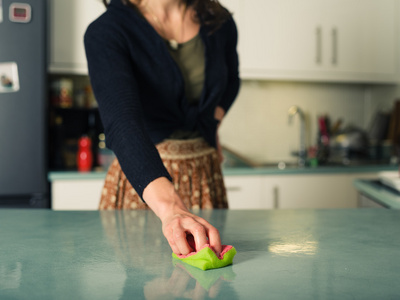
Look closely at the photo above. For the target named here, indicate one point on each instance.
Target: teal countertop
(378, 192)
(282, 254)
(244, 170)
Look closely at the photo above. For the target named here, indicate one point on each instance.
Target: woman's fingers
(181, 242)
(177, 230)
(214, 238)
(169, 236)
(175, 233)
(198, 232)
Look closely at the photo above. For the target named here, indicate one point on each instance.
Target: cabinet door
(280, 38)
(68, 23)
(318, 40)
(76, 194)
(245, 192)
(310, 191)
(314, 191)
(360, 39)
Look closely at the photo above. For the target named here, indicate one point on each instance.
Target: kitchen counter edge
(242, 171)
(379, 193)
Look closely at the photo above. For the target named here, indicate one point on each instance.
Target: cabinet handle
(233, 189)
(334, 46)
(318, 44)
(276, 197)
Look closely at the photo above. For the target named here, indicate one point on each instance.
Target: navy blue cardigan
(140, 89)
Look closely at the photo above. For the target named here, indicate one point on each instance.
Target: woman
(164, 73)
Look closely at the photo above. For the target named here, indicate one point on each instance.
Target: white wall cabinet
(318, 40)
(68, 20)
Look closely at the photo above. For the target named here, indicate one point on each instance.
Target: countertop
(246, 171)
(378, 192)
(237, 165)
(282, 254)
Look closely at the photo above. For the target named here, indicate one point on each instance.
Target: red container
(85, 155)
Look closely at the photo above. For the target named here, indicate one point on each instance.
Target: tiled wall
(257, 124)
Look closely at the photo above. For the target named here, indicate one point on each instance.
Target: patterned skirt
(195, 170)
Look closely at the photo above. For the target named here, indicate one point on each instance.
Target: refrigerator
(23, 104)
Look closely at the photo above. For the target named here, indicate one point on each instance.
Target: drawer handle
(318, 57)
(334, 46)
(276, 197)
(233, 189)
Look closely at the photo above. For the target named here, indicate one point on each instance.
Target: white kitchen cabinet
(76, 194)
(246, 192)
(309, 191)
(68, 20)
(363, 36)
(312, 191)
(319, 40)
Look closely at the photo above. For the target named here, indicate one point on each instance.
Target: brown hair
(208, 12)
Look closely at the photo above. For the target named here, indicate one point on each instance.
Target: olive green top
(189, 57)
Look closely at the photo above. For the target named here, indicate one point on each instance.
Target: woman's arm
(232, 63)
(117, 93)
(232, 88)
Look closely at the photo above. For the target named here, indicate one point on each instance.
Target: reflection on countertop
(143, 251)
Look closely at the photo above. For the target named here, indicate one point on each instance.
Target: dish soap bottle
(84, 155)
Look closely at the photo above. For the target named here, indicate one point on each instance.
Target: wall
(257, 124)
(383, 97)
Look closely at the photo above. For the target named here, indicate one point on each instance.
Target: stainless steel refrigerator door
(23, 101)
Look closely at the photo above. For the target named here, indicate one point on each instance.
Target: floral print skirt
(195, 170)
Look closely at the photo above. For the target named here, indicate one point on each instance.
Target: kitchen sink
(282, 165)
(279, 165)
(235, 160)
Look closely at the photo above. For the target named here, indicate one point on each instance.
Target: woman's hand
(186, 233)
(219, 115)
(179, 226)
(219, 150)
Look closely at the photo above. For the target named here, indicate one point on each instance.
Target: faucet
(293, 111)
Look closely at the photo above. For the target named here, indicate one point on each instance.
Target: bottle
(85, 155)
(57, 138)
(92, 135)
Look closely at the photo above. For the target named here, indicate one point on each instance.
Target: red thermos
(85, 155)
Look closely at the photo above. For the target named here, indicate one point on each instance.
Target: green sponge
(206, 258)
